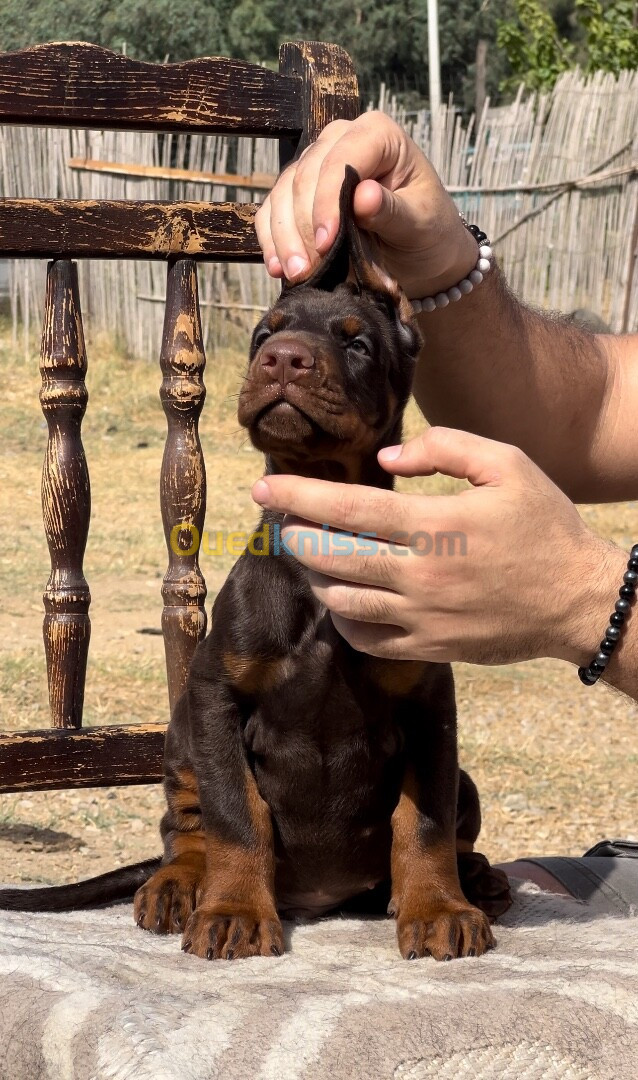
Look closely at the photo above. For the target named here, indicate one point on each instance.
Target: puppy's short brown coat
(303, 776)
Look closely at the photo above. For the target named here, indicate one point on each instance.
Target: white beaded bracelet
(483, 266)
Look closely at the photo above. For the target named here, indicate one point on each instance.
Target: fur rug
(88, 996)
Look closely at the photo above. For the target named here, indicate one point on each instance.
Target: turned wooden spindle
(66, 495)
(183, 476)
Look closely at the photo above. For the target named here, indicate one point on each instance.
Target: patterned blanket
(88, 996)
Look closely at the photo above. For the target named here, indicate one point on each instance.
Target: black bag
(626, 849)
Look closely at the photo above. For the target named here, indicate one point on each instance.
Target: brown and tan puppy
(303, 776)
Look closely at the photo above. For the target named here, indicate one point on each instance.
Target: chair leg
(183, 476)
(66, 495)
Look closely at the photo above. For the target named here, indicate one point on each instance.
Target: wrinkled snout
(285, 360)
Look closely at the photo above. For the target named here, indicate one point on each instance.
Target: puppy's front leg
(433, 916)
(236, 914)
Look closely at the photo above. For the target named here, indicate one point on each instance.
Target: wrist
(591, 593)
(464, 253)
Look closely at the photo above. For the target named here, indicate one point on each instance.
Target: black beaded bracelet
(626, 595)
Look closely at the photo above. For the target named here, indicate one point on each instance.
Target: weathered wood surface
(75, 84)
(183, 475)
(329, 89)
(256, 182)
(69, 228)
(66, 496)
(94, 757)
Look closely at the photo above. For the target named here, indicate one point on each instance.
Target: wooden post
(183, 475)
(480, 77)
(631, 270)
(330, 90)
(66, 495)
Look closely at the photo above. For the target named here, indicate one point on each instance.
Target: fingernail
(321, 236)
(294, 266)
(390, 453)
(274, 266)
(261, 493)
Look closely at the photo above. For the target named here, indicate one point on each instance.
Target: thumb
(453, 453)
(378, 209)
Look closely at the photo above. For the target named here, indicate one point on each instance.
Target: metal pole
(434, 64)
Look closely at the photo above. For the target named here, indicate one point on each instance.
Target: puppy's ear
(370, 276)
(334, 268)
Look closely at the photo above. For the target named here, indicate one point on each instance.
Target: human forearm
(492, 366)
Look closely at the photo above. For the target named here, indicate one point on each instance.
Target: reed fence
(552, 178)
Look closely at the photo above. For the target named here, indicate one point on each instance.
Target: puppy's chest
(326, 723)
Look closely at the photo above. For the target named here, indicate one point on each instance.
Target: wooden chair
(81, 85)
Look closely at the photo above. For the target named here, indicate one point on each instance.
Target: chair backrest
(82, 86)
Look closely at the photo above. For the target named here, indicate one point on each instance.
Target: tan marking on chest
(255, 673)
(398, 677)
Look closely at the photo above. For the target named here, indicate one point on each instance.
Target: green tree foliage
(151, 29)
(386, 38)
(611, 33)
(600, 36)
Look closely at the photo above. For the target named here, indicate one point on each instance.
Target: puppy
(302, 776)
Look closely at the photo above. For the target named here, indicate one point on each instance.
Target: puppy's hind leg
(165, 903)
(483, 885)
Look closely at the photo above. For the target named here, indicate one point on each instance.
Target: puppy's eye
(262, 333)
(360, 346)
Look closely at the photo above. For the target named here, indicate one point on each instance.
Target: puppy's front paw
(228, 932)
(444, 931)
(164, 904)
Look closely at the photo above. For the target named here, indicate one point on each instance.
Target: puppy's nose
(286, 361)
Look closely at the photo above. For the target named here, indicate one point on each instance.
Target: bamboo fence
(552, 179)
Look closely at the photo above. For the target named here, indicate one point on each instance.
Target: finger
(305, 188)
(289, 247)
(357, 602)
(350, 507)
(454, 453)
(265, 240)
(391, 642)
(368, 561)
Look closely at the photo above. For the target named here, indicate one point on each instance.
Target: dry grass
(556, 764)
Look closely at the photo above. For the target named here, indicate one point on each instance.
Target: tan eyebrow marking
(352, 325)
(275, 320)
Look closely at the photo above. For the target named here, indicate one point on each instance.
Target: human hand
(534, 581)
(423, 243)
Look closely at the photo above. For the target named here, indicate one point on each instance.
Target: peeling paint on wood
(183, 476)
(75, 84)
(94, 757)
(86, 228)
(66, 496)
(329, 87)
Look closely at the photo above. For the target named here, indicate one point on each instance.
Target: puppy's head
(331, 363)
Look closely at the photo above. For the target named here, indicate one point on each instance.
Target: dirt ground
(555, 763)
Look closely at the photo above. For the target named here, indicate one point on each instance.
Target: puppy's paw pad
(445, 933)
(164, 904)
(221, 933)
